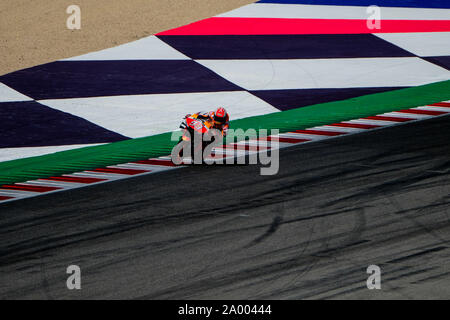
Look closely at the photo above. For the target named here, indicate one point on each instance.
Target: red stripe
(284, 140)
(75, 179)
(441, 104)
(121, 171)
(217, 155)
(384, 118)
(428, 112)
(267, 26)
(166, 163)
(321, 133)
(244, 147)
(2, 198)
(354, 125)
(30, 188)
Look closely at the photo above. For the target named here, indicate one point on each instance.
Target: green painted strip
(154, 146)
(369, 105)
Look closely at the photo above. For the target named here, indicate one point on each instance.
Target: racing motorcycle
(197, 135)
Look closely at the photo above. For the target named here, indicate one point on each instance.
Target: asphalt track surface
(336, 207)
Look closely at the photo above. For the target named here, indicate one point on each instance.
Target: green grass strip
(157, 145)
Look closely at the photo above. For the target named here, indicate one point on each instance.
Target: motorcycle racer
(218, 119)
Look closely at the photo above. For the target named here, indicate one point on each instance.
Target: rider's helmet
(220, 117)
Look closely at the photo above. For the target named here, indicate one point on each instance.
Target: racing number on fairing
(198, 125)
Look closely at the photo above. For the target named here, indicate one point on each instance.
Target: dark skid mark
(272, 229)
(418, 254)
(435, 277)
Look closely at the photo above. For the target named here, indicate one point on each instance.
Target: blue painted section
(291, 99)
(31, 124)
(445, 4)
(442, 61)
(284, 46)
(79, 79)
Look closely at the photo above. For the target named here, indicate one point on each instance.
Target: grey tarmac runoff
(335, 207)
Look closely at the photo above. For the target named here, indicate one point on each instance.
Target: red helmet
(220, 116)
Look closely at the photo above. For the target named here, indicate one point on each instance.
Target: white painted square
(423, 44)
(327, 73)
(145, 115)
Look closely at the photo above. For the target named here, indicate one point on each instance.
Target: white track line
(373, 122)
(434, 108)
(57, 184)
(338, 129)
(407, 115)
